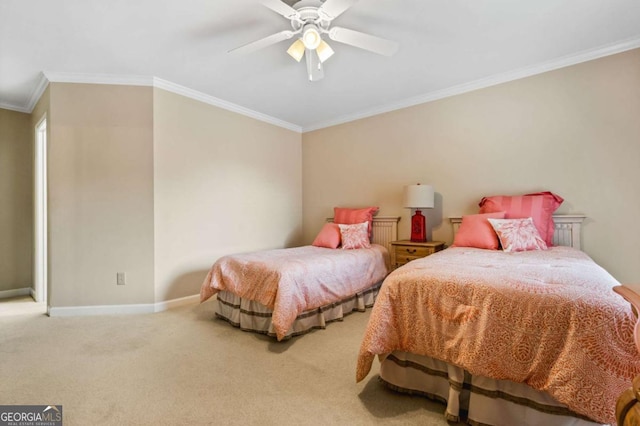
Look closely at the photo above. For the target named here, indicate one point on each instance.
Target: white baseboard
(147, 308)
(176, 303)
(5, 294)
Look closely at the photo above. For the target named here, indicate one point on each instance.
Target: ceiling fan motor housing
(308, 11)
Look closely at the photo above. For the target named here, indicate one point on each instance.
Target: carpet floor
(183, 366)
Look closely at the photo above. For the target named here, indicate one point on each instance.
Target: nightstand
(405, 251)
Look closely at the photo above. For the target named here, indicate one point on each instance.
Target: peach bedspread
(291, 281)
(545, 318)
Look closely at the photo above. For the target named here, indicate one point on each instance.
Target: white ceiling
(446, 47)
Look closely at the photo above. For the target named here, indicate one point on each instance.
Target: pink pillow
(329, 236)
(518, 234)
(476, 231)
(348, 216)
(355, 236)
(539, 206)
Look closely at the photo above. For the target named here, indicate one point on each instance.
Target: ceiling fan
(310, 19)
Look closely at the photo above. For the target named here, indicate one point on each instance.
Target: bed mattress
(291, 281)
(548, 319)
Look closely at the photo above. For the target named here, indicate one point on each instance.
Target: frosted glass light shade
(418, 196)
(296, 50)
(311, 37)
(324, 51)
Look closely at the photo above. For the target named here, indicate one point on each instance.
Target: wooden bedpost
(627, 407)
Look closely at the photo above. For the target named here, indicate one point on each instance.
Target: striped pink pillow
(539, 206)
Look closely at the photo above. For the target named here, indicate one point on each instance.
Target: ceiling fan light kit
(296, 50)
(311, 37)
(309, 20)
(324, 51)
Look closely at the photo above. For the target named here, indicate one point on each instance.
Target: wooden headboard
(567, 229)
(385, 230)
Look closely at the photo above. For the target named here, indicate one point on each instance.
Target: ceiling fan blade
(314, 66)
(281, 8)
(263, 42)
(331, 9)
(363, 41)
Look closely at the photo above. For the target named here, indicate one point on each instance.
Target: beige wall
(16, 202)
(159, 186)
(573, 131)
(223, 183)
(100, 194)
(122, 158)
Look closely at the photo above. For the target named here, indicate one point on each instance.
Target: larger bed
(288, 292)
(530, 338)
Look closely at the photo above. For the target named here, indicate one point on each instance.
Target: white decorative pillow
(355, 236)
(518, 234)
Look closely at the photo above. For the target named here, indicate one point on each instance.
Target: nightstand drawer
(413, 251)
(405, 251)
(402, 259)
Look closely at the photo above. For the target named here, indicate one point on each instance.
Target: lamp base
(418, 228)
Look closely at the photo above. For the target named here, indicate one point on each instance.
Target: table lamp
(418, 197)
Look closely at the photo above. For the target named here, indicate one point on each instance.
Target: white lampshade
(418, 197)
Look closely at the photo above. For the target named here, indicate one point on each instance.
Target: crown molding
(86, 78)
(211, 100)
(136, 80)
(150, 81)
(43, 83)
(494, 80)
(12, 107)
(37, 92)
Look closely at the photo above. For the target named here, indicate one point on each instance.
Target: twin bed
(529, 338)
(288, 292)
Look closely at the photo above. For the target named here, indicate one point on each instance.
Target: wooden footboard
(628, 407)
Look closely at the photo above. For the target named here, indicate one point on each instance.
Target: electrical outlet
(121, 278)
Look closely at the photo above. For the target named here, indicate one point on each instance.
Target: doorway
(40, 212)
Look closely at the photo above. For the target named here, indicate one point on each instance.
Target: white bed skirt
(250, 315)
(473, 399)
